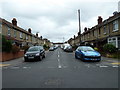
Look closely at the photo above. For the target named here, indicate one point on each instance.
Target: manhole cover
(53, 82)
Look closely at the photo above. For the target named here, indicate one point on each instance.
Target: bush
(45, 46)
(15, 49)
(109, 48)
(6, 45)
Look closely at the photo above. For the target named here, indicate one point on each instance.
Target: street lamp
(79, 33)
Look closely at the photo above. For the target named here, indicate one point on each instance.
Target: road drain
(53, 82)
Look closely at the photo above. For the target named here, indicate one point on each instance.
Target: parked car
(51, 49)
(68, 49)
(35, 53)
(87, 53)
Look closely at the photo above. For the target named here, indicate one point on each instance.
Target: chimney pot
(14, 21)
(37, 34)
(85, 29)
(100, 19)
(29, 30)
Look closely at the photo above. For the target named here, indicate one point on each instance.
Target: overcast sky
(56, 19)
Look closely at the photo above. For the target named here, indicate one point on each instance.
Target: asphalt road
(60, 70)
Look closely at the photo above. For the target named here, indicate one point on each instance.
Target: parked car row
(85, 53)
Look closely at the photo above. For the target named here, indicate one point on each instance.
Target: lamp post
(79, 33)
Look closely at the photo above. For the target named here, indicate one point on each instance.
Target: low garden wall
(10, 56)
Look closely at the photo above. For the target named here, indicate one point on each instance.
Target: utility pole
(79, 33)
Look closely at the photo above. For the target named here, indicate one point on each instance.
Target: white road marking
(15, 67)
(59, 65)
(114, 66)
(103, 66)
(58, 55)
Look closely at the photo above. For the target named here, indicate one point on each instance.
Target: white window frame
(9, 33)
(21, 35)
(105, 29)
(115, 25)
(26, 37)
(15, 33)
(110, 40)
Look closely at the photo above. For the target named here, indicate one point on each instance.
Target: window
(105, 29)
(9, 31)
(21, 35)
(114, 41)
(15, 32)
(115, 25)
(27, 37)
(93, 33)
(99, 31)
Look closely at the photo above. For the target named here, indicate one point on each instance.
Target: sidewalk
(14, 61)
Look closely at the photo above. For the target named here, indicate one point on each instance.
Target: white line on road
(59, 65)
(58, 55)
(114, 66)
(103, 66)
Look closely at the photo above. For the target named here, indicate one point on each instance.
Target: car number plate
(31, 57)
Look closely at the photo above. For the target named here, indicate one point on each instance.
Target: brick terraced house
(107, 31)
(18, 35)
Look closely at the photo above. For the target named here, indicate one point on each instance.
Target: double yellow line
(116, 63)
(3, 65)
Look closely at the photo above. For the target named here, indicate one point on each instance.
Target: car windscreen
(33, 49)
(87, 49)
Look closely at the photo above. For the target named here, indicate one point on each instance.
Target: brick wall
(10, 56)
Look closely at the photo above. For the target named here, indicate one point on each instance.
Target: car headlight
(37, 54)
(99, 55)
(25, 55)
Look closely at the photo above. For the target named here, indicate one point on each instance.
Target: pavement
(60, 70)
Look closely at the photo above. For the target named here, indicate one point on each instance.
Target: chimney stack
(14, 21)
(37, 34)
(74, 36)
(85, 29)
(29, 30)
(100, 19)
(41, 37)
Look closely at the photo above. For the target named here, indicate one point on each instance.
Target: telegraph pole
(79, 33)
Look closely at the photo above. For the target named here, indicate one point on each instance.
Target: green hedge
(6, 45)
(109, 48)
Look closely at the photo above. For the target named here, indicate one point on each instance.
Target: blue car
(87, 53)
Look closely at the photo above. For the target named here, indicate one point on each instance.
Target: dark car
(87, 53)
(51, 49)
(68, 49)
(35, 53)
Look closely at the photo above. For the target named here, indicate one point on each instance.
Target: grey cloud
(56, 19)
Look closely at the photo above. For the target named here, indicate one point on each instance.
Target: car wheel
(44, 56)
(40, 58)
(26, 60)
(76, 56)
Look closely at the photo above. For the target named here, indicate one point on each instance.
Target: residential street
(60, 70)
